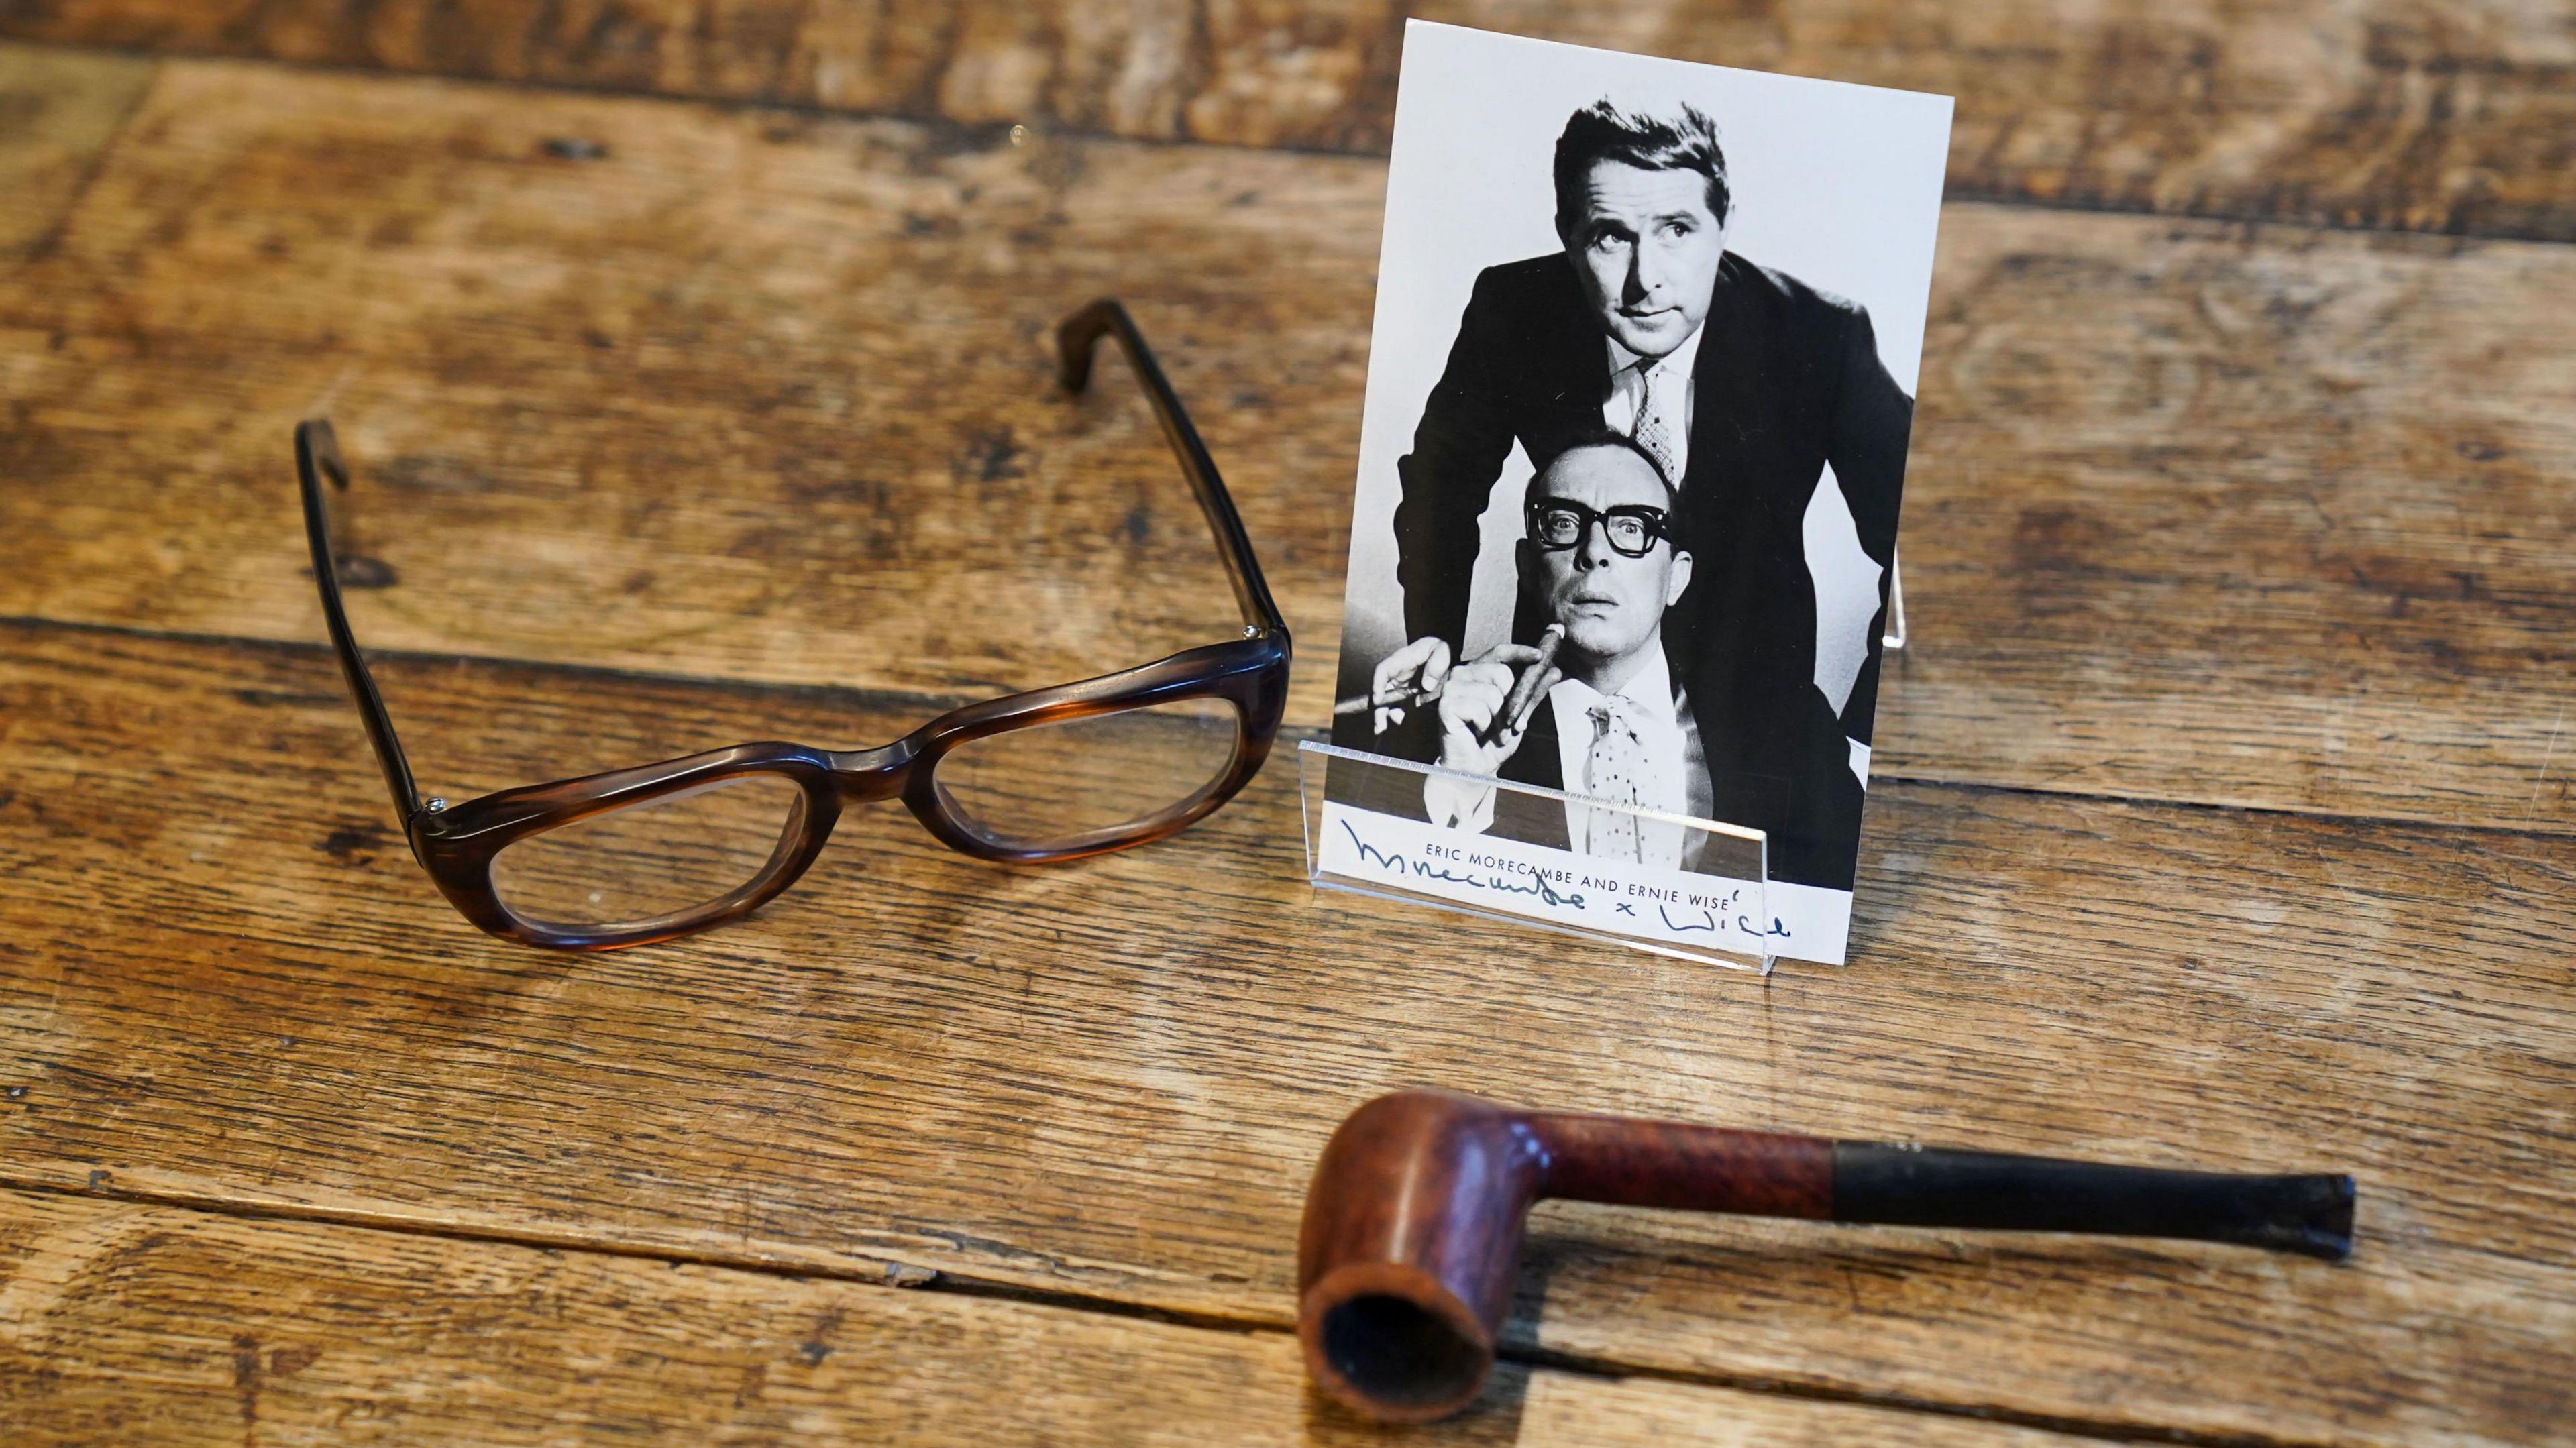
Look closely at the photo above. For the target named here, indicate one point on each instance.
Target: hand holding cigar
(1534, 680)
(1408, 697)
(1486, 704)
(1406, 683)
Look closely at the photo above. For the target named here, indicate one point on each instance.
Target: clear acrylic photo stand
(1365, 833)
(1894, 634)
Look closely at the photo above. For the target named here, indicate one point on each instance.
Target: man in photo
(1608, 717)
(1743, 386)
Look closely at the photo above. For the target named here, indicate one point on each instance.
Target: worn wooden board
(2446, 115)
(148, 1325)
(2269, 517)
(58, 110)
(224, 980)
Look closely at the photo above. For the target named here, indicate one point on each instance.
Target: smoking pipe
(1413, 1222)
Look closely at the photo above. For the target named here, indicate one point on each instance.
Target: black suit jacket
(1787, 380)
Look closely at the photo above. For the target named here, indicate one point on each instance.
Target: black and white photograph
(1640, 389)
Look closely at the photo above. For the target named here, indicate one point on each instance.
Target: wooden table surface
(2222, 812)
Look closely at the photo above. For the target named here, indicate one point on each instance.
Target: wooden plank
(222, 979)
(58, 111)
(2446, 116)
(147, 1325)
(2207, 516)
(2266, 518)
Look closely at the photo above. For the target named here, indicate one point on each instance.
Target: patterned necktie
(1649, 431)
(1614, 773)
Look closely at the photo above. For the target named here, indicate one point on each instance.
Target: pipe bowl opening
(1402, 1357)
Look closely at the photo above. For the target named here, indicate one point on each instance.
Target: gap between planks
(1283, 750)
(904, 1277)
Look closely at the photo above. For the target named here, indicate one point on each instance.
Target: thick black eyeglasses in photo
(638, 855)
(1632, 529)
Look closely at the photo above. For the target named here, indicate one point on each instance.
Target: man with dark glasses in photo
(1606, 717)
(1610, 717)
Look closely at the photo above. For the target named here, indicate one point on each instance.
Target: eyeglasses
(1556, 524)
(638, 855)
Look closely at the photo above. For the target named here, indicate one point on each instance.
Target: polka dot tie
(1613, 773)
(1649, 432)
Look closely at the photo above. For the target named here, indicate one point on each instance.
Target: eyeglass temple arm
(1077, 337)
(317, 457)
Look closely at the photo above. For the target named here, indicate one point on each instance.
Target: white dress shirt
(1656, 715)
(1673, 385)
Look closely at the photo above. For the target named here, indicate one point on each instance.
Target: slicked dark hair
(1601, 131)
(1583, 438)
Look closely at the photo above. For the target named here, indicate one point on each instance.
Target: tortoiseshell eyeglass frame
(457, 844)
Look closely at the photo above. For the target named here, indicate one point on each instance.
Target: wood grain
(2444, 115)
(2272, 518)
(147, 1325)
(224, 980)
(58, 111)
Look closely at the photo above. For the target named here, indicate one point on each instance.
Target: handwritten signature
(1708, 921)
(1538, 885)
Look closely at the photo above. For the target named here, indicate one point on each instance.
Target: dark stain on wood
(246, 1385)
(357, 844)
(992, 456)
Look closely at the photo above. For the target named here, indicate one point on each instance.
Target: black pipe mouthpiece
(1931, 1187)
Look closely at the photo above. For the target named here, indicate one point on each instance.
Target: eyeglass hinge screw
(436, 806)
(1251, 632)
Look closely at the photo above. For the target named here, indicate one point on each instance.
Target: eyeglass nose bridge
(867, 775)
(1597, 526)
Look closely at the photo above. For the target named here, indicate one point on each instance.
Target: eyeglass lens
(650, 861)
(1061, 785)
(1561, 525)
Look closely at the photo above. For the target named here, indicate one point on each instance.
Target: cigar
(1393, 699)
(1522, 701)
(1517, 705)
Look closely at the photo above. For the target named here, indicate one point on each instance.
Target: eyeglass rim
(1658, 523)
(457, 844)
